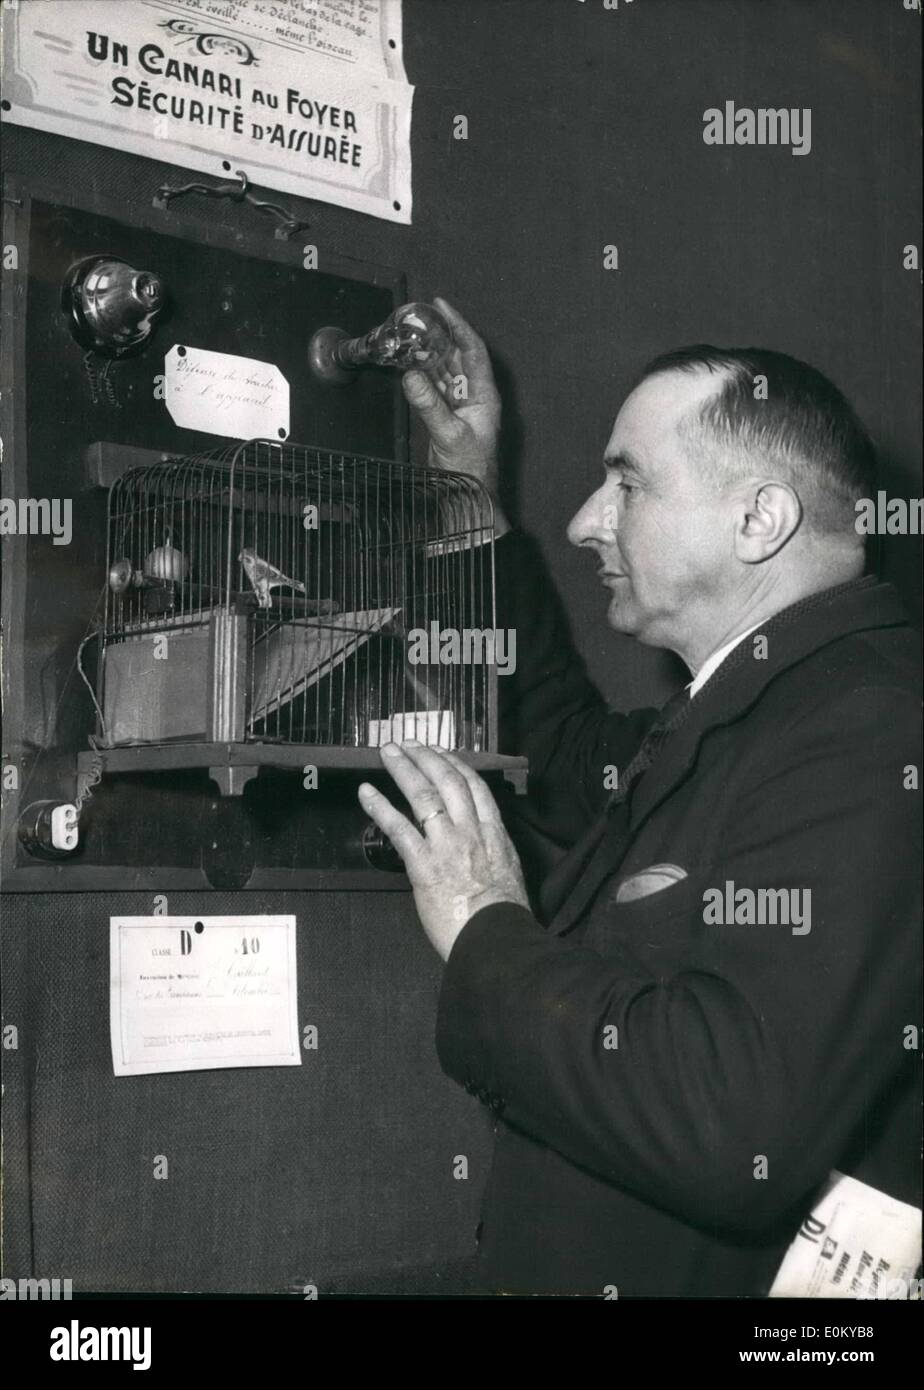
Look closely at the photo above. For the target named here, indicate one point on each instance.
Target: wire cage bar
(282, 594)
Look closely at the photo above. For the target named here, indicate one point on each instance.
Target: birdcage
(273, 598)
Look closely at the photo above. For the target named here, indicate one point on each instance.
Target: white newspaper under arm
(856, 1242)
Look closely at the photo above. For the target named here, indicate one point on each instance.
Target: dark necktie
(670, 715)
(606, 840)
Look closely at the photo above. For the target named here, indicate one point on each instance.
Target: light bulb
(416, 335)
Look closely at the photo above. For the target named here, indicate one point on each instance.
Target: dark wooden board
(233, 288)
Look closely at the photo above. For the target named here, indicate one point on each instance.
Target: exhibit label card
(305, 97)
(196, 993)
(217, 393)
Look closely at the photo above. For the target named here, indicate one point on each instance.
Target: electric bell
(110, 306)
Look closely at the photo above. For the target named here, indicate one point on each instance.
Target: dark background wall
(585, 128)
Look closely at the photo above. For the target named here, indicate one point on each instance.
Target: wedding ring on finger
(429, 816)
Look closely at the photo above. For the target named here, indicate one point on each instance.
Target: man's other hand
(461, 858)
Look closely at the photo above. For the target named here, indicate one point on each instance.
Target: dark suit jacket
(740, 1049)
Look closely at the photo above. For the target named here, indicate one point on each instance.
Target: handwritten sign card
(216, 393)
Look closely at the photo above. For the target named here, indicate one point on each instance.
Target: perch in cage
(272, 595)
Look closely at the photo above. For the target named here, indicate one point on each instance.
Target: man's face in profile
(663, 532)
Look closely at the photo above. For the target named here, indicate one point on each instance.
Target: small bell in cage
(167, 563)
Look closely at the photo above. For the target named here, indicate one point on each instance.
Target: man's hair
(805, 423)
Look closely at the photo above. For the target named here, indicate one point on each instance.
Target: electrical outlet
(64, 830)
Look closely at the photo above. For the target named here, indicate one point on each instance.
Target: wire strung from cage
(93, 629)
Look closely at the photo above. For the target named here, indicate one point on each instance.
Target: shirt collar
(713, 662)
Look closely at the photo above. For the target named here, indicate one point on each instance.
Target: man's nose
(596, 521)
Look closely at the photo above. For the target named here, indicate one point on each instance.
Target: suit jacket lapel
(564, 878)
(611, 842)
(792, 635)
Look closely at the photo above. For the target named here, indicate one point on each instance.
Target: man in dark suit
(709, 1008)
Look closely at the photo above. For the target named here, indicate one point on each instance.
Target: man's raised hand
(463, 428)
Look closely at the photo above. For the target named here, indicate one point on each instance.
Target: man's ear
(770, 515)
